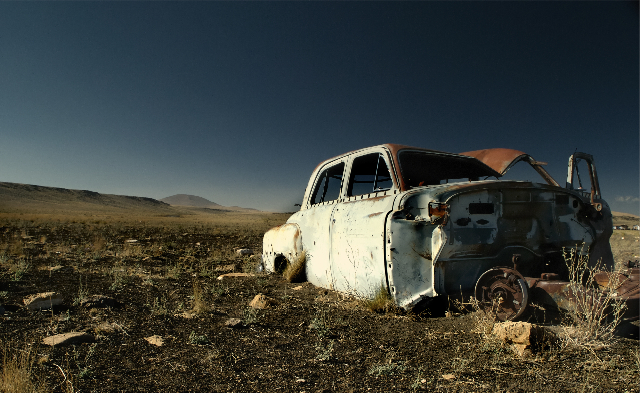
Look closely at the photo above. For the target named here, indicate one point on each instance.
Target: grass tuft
(382, 302)
(295, 272)
(17, 373)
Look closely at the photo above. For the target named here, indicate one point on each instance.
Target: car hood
(500, 160)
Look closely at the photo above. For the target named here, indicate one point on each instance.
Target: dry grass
(594, 314)
(295, 272)
(17, 373)
(200, 300)
(382, 302)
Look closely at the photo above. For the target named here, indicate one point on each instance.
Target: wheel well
(280, 263)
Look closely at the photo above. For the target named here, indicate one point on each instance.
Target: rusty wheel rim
(503, 292)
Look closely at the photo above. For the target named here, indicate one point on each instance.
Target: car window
(327, 186)
(369, 174)
(424, 169)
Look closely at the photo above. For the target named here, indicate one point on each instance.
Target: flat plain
(172, 325)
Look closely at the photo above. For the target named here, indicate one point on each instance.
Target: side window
(327, 187)
(369, 174)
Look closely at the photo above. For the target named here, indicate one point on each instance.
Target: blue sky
(237, 102)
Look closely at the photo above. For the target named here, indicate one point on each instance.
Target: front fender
(281, 241)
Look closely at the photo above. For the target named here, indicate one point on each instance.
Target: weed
(319, 324)
(381, 302)
(195, 339)
(386, 369)
(200, 304)
(120, 279)
(295, 272)
(82, 293)
(218, 290)
(85, 373)
(174, 272)
(158, 307)
(594, 314)
(251, 316)
(323, 352)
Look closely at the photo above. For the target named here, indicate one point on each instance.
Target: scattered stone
(448, 377)
(155, 340)
(230, 275)
(233, 323)
(98, 301)
(68, 339)
(526, 337)
(53, 268)
(44, 300)
(261, 302)
(108, 328)
(244, 251)
(225, 268)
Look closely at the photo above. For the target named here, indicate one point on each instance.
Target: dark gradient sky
(238, 102)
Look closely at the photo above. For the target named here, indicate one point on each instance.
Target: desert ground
(166, 322)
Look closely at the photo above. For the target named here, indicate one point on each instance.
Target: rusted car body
(421, 223)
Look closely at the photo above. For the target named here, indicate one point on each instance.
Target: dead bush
(594, 314)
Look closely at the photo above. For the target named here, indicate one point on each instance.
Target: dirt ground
(165, 282)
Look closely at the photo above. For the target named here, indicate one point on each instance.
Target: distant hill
(196, 201)
(190, 200)
(17, 196)
(625, 218)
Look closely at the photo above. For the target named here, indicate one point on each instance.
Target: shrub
(594, 314)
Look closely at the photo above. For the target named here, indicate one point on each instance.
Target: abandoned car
(420, 223)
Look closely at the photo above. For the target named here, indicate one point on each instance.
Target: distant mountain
(40, 198)
(190, 200)
(196, 201)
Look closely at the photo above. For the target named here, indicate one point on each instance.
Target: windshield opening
(426, 169)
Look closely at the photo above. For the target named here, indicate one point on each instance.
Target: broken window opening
(328, 185)
(369, 173)
(423, 169)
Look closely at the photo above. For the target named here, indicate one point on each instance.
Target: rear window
(426, 169)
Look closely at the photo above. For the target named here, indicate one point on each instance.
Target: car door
(315, 222)
(358, 226)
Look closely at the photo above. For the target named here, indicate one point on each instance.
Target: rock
(525, 337)
(98, 301)
(448, 377)
(229, 275)
(155, 340)
(131, 241)
(299, 287)
(44, 300)
(53, 268)
(187, 315)
(108, 328)
(261, 302)
(68, 339)
(225, 268)
(244, 251)
(233, 323)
